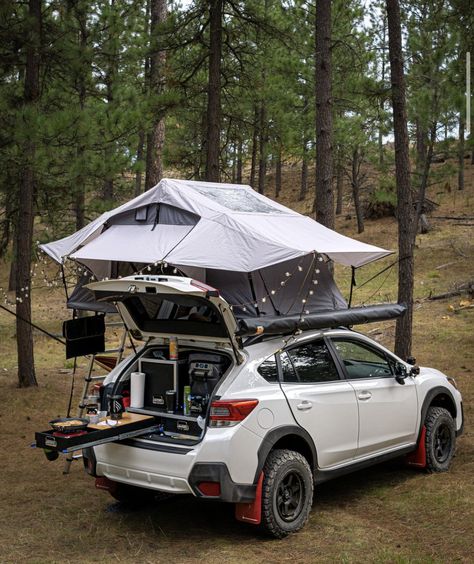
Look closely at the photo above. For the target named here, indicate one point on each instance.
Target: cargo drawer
(131, 425)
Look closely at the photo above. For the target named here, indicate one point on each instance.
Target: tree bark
(214, 92)
(7, 224)
(80, 184)
(262, 161)
(405, 212)
(253, 164)
(324, 197)
(420, 145)
(24, 229)
(355, 180)
(382, 97)
(461, 154)
(238, 177)
(110, 75)
(140, 151)
(156, 136)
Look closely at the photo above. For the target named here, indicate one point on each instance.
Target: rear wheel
(287, 492)
(440, 440)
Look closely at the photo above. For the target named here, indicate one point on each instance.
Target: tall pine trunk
(262, 161)
(80, 181)
(140, 152)
(253, 163)
(324, 196)
(24, 228)
(110, 76)
(405, 212)
(156, 136)
(238, 177)
(355, 181)
(214, 92)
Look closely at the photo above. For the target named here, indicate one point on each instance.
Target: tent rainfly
(263, 257)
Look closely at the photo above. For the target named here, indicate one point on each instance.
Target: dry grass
(386, 514)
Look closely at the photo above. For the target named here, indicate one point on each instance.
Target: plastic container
(186, 400)
(173, 344)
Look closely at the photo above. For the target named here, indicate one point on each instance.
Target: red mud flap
(103, 483)
(251, 512)
(418, 457)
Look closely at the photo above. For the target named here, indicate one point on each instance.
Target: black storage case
(162, 375)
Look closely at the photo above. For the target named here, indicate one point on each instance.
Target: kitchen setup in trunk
(155, 396)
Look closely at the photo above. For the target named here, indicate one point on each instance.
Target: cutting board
(127, 418)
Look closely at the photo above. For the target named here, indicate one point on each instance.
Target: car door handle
(364, 396)
(304, 405)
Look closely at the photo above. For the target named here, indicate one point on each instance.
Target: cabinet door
(387, 409)
(321, 402)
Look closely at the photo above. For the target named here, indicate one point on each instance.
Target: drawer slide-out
(95, 436)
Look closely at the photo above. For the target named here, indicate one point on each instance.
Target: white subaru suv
(259, 420)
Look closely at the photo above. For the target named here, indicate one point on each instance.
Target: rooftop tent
(253, 249)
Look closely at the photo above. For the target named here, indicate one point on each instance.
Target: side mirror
(415, 370)
(400, 373)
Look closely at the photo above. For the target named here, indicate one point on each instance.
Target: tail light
(210, 489)
(229, 413)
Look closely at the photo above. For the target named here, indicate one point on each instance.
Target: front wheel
(287, 493)
(440, 439)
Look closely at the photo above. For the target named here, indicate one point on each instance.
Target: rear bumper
(142, 479)
(227, 457)
(216, 473)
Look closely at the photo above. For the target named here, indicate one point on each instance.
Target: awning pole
(353, 283)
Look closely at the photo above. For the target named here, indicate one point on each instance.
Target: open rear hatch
(171, 306)
(156, 307)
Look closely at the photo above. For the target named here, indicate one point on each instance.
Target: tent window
(141, 214)
(238, 200)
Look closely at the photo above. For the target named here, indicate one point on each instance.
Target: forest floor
(386, 514)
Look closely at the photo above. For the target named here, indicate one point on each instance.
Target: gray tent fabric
(264, 258)
(263, 289)
(238, 230)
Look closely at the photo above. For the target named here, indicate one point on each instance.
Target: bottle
(173, 345)
(186, 400)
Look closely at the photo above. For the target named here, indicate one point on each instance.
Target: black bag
(84, 335)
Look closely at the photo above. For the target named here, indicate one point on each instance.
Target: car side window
(268, 369)
(287, 369)
(313, 363)
(362, 361)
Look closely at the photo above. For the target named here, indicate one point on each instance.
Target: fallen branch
(446, 264)
(467, 287)
(454, 217)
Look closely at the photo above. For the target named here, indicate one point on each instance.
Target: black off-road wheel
(440, 440)
(287, 493)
